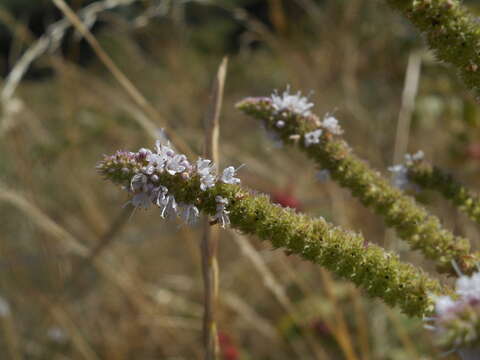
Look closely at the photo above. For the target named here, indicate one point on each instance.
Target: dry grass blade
(410, 89)
(122, 79)
(277, 290)
(209, 242)
(11, 337)
(42, 220)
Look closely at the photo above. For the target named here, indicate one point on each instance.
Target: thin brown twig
(209, 242)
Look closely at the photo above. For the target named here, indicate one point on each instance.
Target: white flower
(313, 137)
(156, 161)
(400, 176)
(170, 208)
(323, 175)
(205, 168)
(207, 182)
(164, 150)
(138, 182)
(411, 159)
(469, 287)
(280, 124)
(177, 164)
(221, 216)
(190, 214)
(167, 204)
(444, 304)
(163, 154)
(294, 102)
(228, 176)
(331, 124)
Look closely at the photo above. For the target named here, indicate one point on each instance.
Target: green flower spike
(318, 139)
(450, 31)
(430, 177)
(170, 182)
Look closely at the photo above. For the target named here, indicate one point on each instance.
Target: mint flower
(457, 320)
(221, 216)
(205, 168)
(415, 158)
(400, 176)
(228, 176)
(313, 137)
(296, 103)
(177, 164)
(189, 213)
(331, 124)
(280, 124)
(138, 182)
(143, 175)
(166, 202)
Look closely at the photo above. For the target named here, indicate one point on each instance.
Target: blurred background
(82, 278)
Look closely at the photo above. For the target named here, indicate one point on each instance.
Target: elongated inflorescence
(427, 176)
(141, 174)
(320, 140)
(451, 31)
(169, 181)
(457, 320)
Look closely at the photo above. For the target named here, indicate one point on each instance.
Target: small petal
(313, 137)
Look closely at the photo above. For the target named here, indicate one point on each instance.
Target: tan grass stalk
(209, 242)
(117, 73)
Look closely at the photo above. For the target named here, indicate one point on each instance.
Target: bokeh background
(82, 278)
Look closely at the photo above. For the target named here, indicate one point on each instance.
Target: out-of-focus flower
(296, 103)
(286, 198)
(141, 173)
(228, 350)
(457, 320)
(331, 124)
(221, 216)
(228, 176)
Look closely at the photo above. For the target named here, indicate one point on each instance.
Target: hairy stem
(411, 221)
(379, 273)
(451, 32)
(431, 177)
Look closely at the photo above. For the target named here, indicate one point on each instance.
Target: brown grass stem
(119, 75)
(209, 242)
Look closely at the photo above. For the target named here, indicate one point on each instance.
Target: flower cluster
(400, 172)
(457, 321)
(296, 103)
(142, 171)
